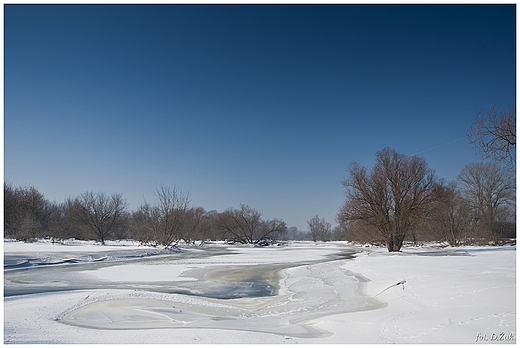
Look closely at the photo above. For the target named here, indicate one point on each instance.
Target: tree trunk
(390, 243)
(394, 242)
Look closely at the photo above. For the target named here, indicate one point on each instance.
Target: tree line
(167, 222)
(399, 199)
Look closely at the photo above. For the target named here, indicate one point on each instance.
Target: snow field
(460, 295)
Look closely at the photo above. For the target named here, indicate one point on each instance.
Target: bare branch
(494, 135)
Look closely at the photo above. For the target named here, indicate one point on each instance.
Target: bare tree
(494, 135)
(62, 223)
(197, 226)
(12, 216)
(240, 224)
(293, 233)
(145, 224)
(26, 212)
(490, 191)
(319, 229)
(449, 216)
(272, 229)
(342, 230)
(163, 222)
(393, 197)
(246, 226)
(101, 213)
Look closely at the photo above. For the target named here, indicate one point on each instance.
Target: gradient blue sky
(262, 105)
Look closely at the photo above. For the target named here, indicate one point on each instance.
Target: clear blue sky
(261, 105)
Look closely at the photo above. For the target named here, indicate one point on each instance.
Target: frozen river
(200, 274)
(219, 286)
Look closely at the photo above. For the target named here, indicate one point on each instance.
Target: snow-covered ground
(301, 293)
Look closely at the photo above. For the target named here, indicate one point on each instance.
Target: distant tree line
(167, 222)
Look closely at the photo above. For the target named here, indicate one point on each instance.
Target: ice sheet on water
(307, 292)
(17, 261)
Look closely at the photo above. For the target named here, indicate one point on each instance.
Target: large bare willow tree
(393, 197)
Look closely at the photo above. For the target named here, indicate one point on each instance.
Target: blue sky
(264, 105)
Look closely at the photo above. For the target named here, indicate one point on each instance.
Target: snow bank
(70, 245)
(452, 295)
(425, 295)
